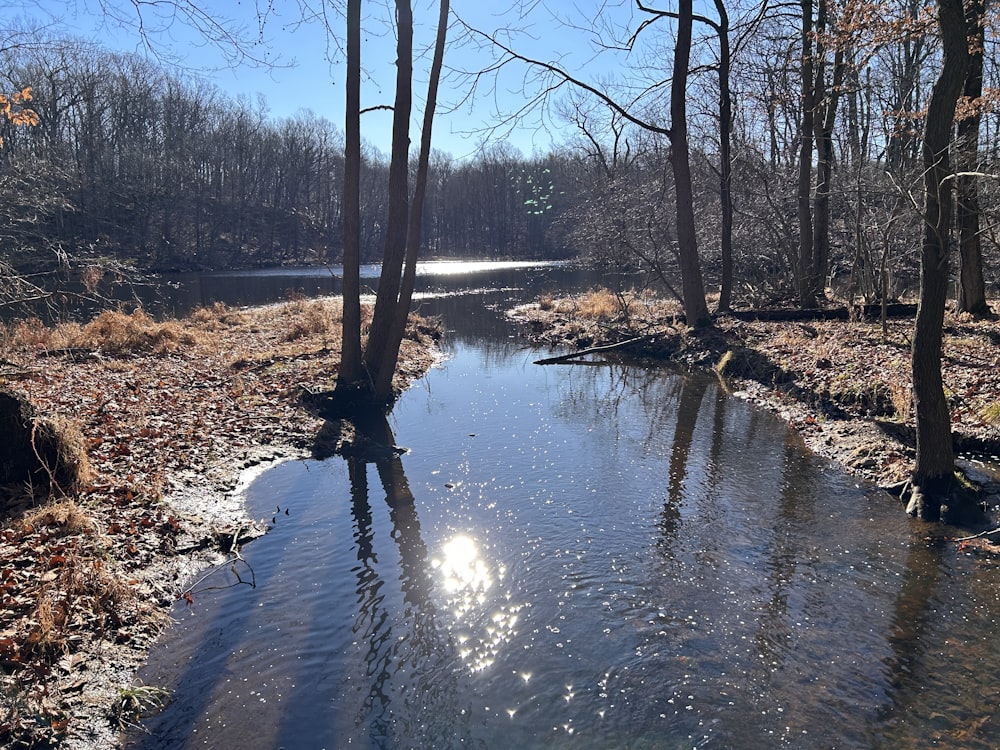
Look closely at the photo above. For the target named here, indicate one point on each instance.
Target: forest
(139, 164)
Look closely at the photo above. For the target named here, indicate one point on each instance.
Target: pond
(601, 556)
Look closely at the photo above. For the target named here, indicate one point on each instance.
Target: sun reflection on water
(469, 581)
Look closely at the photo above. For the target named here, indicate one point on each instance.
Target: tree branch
(563, 78)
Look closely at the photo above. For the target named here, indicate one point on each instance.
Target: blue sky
(308, 65)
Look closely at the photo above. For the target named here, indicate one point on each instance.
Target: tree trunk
(972, 288)
(350, 354)
(695, 307)
(805, 266)
(387, 296)
(935, 462)
(383, 383)
(725, 159)
(826, 117)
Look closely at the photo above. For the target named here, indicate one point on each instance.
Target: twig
(977, 536)
(53, 484)
(237, 556)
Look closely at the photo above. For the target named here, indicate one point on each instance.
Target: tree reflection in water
(409, 661)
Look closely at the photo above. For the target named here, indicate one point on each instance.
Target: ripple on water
(620, 560)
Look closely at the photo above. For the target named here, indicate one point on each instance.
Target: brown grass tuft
(990, 414)
(51, 612)
(63, 515)
(318, 317)
(600, 304)
(31, 333)
(216, 317)
(902, 399)
(83, 592)
(115, 332)
(72, 471)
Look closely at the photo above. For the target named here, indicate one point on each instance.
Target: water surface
(583, 556)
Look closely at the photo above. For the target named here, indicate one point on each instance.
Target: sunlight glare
(462, 567)
(467, 581)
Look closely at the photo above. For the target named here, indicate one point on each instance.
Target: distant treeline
(143, 164)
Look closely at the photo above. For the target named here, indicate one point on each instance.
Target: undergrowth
(111, 332)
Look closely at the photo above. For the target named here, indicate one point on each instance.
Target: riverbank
(176, 418)
(843, 385)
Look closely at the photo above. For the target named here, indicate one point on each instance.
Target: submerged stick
(977, 536)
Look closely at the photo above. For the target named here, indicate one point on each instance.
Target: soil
(178, 418)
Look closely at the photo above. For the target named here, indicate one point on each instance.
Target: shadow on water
(692, 393)
(381, 716)
(911, 623)
(421, 646)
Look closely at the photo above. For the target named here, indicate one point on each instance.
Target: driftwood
(564, 358)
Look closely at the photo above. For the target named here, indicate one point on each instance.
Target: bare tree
(933, 474)
(972, 286)
(695, 306)
(350, 354)
(695, 309)
(808, 284)
(390, 355)
(403, 223)
(387, 295)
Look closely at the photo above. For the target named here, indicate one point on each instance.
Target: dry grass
(597, 304)
(117, 333)
(319, 317)
(788, 338)
(78, 590)
(902, 399)
(30, 334)
(216, 317)
(72, 471)
(603, 305)
(112, 332)
(51, 613)
(83, 594)
(63, 515)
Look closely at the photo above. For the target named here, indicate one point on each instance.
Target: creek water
(600, 556)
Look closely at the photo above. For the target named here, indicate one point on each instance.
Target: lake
(584, 556)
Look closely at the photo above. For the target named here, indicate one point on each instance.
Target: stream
(583, 556)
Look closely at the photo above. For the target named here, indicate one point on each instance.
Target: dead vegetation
(111, 332)
(148, 412)
(40, 455)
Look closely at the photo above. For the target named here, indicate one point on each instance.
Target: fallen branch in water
(237, 556)
(563, 358)
(977, 536)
